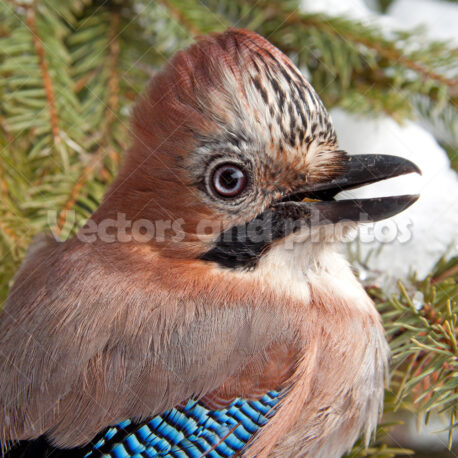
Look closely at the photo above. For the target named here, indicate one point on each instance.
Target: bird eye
(229, 180)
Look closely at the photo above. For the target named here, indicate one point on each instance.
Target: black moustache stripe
(242, 246)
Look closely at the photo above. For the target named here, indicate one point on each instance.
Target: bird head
(234, 151)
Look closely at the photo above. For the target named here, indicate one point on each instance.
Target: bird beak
(315, 204)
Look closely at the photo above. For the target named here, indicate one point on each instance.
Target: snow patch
(433, 218)
(439, 18)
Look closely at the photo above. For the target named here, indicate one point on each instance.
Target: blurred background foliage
(70, 71)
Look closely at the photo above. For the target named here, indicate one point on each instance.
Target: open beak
(315, 204)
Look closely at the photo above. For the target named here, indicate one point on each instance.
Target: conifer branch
(180, 17)
(383, 48)
(110, 114)
(113, 64)
(10, 233)
(47, 81)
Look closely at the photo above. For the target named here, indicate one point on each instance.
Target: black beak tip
(407, 200)
(385, 207)
(411, 199)
(411, 167)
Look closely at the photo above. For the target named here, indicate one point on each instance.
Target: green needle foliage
(70, 71)
(421, 323)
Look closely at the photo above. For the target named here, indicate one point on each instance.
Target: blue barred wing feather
(193, 431)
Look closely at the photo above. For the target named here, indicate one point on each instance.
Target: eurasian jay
(204, 309)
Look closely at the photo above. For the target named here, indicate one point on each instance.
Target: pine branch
(180, 17)
(383, 47)
(109, 117)
(423, 341)
(31, 22)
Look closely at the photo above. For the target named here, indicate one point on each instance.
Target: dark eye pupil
(229, 180)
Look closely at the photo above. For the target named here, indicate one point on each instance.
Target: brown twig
(8, 135)
(113, 80)
(83, 81)
(393, 54)
(3, 185)
(4, 188)
(389, 52)
(75, 192)
(446, 274)
(31, 22)
(179, 17)
(10, 233)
